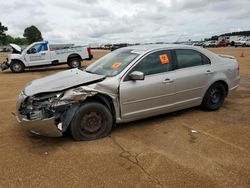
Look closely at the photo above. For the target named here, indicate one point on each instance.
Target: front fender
(68, 115)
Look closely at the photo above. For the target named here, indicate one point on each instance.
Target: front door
(38, 55)
(154, 94)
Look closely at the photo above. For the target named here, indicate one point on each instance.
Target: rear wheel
(74, 62)
(92, 121)
(214, 97)
(17, 66)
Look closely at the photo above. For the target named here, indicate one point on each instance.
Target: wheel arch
(100, 98)
(223, 82)
(74, 55)
(105, 100)
(17, 60)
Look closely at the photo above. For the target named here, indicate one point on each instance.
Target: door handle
(168, 81)
(208, 72)
(43, 53)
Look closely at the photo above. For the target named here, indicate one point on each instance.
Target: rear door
(192, 77)
(38, 54)
(154, 95)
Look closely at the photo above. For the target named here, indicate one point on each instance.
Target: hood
(61, 81)
(16, 48)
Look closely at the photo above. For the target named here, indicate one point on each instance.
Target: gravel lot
(189, 148)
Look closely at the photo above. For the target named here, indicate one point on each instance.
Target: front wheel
(17, 66)
(214, 97)
(92, 121)
(74, 62)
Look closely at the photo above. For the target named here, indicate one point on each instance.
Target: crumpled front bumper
(45, 127)
(4, 66)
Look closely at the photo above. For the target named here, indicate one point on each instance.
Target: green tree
(32, 34)
(2, 33)
(9, 39)
(21, 41)
(17, 40)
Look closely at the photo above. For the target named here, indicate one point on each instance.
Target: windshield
(112, 63)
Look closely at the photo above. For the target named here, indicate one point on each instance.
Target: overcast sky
(104, 21)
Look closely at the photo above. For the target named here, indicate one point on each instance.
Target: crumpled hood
(16, 47)
(61, 81)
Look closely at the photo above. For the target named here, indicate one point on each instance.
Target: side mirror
(137, 75)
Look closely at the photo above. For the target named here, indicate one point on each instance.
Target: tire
(74, 62)
(17, 66)
(214, 97)
(91, 121)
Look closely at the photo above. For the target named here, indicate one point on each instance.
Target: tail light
(89, 51)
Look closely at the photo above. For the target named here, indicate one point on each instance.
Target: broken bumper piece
(45, 127)
(4, 66)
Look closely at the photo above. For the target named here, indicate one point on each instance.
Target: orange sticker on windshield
(116, 65)
(164, 59)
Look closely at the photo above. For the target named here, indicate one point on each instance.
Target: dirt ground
(190, 148)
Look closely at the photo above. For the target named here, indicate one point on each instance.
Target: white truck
(243, 43)
(39, 54)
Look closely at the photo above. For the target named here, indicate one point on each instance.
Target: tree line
(238, 33)
(31, 34)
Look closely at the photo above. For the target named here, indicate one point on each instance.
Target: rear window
(190, 58)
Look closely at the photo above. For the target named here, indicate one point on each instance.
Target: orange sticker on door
(164, 59)
(116, 65)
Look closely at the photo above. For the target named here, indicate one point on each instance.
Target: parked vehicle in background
(39, 54)
(221, 44)
(198, 43)
(243, 43)
(211, 43)
(117, 46)
(125, 85)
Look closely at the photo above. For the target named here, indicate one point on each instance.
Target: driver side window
(156, 62)
(38, 48)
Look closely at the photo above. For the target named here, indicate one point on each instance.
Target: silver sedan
(125, 85)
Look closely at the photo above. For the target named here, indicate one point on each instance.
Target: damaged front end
(49, 114)
(4, 65)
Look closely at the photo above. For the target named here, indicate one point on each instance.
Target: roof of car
(151, 47)
(143, 49)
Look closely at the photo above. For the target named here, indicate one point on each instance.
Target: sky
(132, 21)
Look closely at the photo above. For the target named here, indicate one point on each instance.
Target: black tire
(74, 62)
(17, 66)
(91, 121)
(214, 97)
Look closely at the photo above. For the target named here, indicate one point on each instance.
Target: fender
(68, 115)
